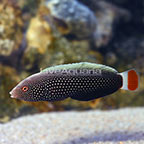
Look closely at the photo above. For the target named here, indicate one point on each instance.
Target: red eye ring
(24, 88)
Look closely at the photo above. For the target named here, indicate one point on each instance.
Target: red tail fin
(130, 80)
(133, 80)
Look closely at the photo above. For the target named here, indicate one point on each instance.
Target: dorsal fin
(81, 65)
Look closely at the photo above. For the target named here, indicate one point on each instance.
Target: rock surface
(79, 19)
(122, 126)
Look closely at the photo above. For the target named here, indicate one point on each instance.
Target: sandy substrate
(125, 126)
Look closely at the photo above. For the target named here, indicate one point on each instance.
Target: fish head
(29, 89)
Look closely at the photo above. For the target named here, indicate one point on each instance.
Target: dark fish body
(80, 81)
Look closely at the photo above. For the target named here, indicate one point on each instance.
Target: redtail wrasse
(80, 81)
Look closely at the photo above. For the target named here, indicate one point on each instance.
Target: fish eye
(24, 88)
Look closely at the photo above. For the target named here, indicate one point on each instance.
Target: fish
(83, 81)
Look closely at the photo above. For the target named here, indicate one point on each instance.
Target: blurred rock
(107, 16)
(64, 51)
(131, 52)
(11, 25)
(111, 58)
(6, 47)
(39, 35)
(95, 56)
(8, 79)
(76, 17)
(135, 8)
(11, 34)
(29, 6)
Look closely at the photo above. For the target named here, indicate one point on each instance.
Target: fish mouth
(12, 94)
